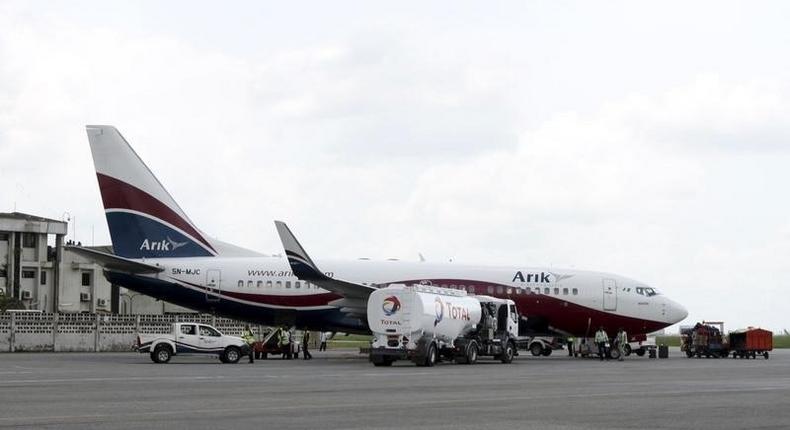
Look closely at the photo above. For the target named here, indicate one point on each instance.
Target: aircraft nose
(677, 312)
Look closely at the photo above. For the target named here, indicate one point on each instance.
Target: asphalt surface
(339, 390)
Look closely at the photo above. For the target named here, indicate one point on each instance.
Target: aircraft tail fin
(144, 219)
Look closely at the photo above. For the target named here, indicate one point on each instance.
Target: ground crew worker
(324, 336)
(249, 339)
(622, 341)
(285, 343)
(601, 339)
(570, 346)
(305, 341)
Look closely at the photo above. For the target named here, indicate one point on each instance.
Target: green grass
(354, 341)
(779, 341)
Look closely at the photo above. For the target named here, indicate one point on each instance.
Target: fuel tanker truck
(426, 324)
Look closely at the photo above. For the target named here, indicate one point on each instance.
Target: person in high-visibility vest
(601, 339)
(249, 338)
(622, 341)
(571, 345)
(285, 343)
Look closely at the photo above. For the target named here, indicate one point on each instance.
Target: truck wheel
(430, 359)
(640, 352)
(536, 349)
(232, 354)
(161, 354)
(471, 353)
(765, 354)
(507, 354)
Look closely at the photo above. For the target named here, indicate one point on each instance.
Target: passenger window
(640, 291)
(556, 291)
(260, 284)
(509, 291)
(499, 290)
(575, 291)
(249, 284)
(279, 284)
(287, 284)
(564, 291)
(208, 331)
(472, 289)
(490, 289)
(547, 291)
(268, 284)
(297, 284)
(188, 329)
(241, 284)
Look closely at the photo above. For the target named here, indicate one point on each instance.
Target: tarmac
(341, 390)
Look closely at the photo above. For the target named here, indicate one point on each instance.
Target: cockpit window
(646, 291)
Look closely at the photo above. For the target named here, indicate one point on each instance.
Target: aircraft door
(213, 285)
(609, 295)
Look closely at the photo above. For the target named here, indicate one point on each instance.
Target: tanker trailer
(426, 324)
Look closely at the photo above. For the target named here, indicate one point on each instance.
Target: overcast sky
(652, 141)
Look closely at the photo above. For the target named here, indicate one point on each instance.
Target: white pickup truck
(190, 339)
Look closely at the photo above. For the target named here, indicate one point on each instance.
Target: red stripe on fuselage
(297, 301)
(560, 314)
(117, 194)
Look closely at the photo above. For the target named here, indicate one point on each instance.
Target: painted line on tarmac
(126, 379)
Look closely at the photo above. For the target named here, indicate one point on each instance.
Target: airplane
(160, 252)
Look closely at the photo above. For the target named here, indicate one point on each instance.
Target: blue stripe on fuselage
(135, 236)
(314, 319)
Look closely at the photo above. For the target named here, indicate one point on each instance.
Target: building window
(28, 240)
(43, 278)
(28, 274)
(3, 237)
(3, 273)
(86, 279)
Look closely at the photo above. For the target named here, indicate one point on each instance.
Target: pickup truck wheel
(640, 352)
(232, 354)
(536, 349)
(546, 352)
(471, 353)
(508, 353)
(161, 354)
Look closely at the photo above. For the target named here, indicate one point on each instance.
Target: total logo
(161, 245)
(438, 306)
(390, 306)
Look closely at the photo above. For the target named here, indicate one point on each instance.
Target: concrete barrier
(92, 332)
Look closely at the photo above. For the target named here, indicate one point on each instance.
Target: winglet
(301, 264)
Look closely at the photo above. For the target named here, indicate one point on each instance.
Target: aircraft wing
(114, 262)
(355, 296)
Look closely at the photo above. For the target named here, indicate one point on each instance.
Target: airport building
(49, 278)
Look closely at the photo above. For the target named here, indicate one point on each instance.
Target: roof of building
(27, 217)
(22, 222)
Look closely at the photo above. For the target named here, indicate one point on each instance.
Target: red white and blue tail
(144, 220)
